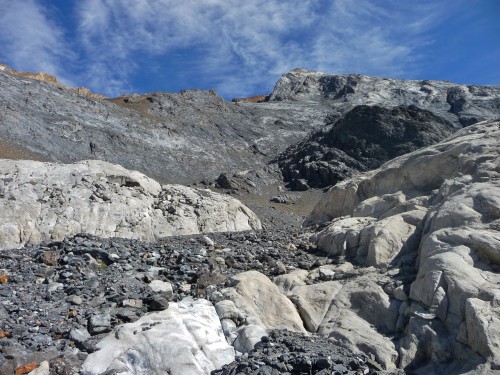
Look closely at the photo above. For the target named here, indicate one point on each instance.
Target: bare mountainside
(196, 135)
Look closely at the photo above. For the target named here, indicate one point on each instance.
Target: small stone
(43, 369)
(400, 294)
(157, 302)
(4, 279)
(208, 241)
(326, 274)
(134, 303)
(185, 288)
(113, 257)
(323, 362)
(50, 258)
(280, 268)
(54, 286)
(4, 334)
(79, 335)
(25, 369)
(159, 286)
(75, 300)
(99, 323)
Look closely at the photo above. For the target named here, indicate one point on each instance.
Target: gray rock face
(459, 104)
(436, 211)
(43, 201)
(174, 138)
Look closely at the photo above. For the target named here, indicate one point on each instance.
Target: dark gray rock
(363, 139)
(79, 335)
(99, 323)
(293, 353)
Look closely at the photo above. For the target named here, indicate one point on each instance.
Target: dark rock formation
(363, 139)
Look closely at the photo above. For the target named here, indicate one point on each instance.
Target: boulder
(313, 301)
(184, 339)
(255, 304)
(44, 201)
(356, 335)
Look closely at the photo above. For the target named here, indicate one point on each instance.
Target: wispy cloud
(236, 47)
(31, 41)
(223, 36)
(253, 42)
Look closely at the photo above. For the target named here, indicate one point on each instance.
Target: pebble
(75, 300)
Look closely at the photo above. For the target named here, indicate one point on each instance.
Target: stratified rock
(455, 103)
(185, 339)
(437, 211)
(42, 201)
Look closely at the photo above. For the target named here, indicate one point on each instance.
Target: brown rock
(4, 334)
(26, 368)
(50, 258)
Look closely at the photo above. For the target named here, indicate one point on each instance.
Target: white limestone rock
(185, 339)
(441, 206)
(418, 173)
(483, 328)
(252, 300)
(356, 335)
(44, 201)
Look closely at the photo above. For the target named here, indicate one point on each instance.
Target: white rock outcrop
(185, 339)
(437, 211)
(254, 304)
(45, 201)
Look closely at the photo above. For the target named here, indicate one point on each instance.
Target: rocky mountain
(195, 135)
(181, 138)
(108, 266)
(459, 104)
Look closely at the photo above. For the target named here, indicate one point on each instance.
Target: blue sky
(240, 48)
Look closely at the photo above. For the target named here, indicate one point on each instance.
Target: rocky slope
(174, 138)
(436, 211)
(44, 201)
(195, 135)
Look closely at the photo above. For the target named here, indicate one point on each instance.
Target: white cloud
(253, 42)
(237, 47)
(30, 40)
(227, 37)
